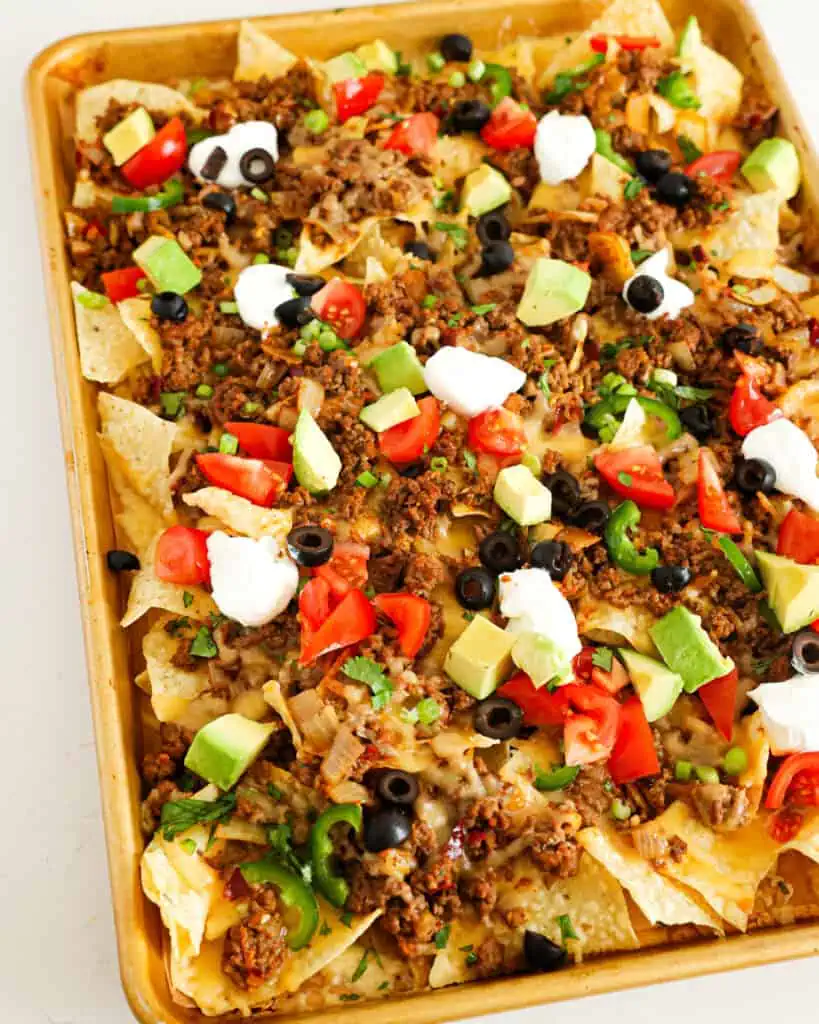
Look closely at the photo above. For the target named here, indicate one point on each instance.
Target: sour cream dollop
(676, 296)
(564, 144)
(533, 604)
(253, 581)
(790, 713)
(790, 452)
(223, 167)
(259, 290)
(469, 382)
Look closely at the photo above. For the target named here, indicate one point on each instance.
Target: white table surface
(57, 951)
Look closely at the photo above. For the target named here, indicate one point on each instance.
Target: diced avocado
(657, 685)
(483, 190)
(378, 56)
(225, 748)
(690, 38)
(541, 658)
(129, 136)
(522, 496)
(793, 590)
(688, 650)
(167, 266)
(315, 462)
(480, 658)
(396, 407)
(554, 290)
(774, 164)
(399, 367)
(346, 65)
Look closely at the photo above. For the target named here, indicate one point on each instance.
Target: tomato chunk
(314, 603)
(720, 699)
(748, 407)
(122, 284)
(415, 135)
(636, 473)
(346, 570)
(260, 481)
(162, 157)
(262, 441)
(796, 782)
(411, 614)
(182, 556)
(405, 442)
(613, 680)
(634, 756)
(510, 126)
(497, 432)
(600, 43)
(714, 507)
(721, 165)
(539, 706)
(341, 304)
(355, 96)
(352, 621)
(799, 538)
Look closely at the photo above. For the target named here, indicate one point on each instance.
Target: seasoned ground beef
(167, 761)
(256, 949)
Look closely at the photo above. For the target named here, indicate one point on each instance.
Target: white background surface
(57, 952)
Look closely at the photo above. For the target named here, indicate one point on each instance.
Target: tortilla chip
(108, 349)
(88, 193)
(136, 315)
(142, 442)
(373, 246)
(751, 736)
(717, 83)
(147, 591)
(158, 649)
(605, 178)
(93, 102)
(183, 908)
(317, 251)
(455, 156)
(241, 515)
(601, 621)
(259, 55)
(659, 899)
(135, 517)
(753, 224)
(275, 698)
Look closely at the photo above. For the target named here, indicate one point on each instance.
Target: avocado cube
(167, 266)
(399, 367)
(657, 685)
(522, 496)
(378, 56)
(688, 650)
(346, 65)
(554, 290)
(774, 164)
(390, 410)
(225, 748)
(793, 590)
(480, 658)
(315, 461)
(483, 190)
(130, 135)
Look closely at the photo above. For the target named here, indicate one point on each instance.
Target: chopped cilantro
(689, 149)
(346, 919)
(443, 199)
(187, 598)
(572, 81)
(564, 923)
(543, 379)
(383, 986)
(179, 815)
(429, 301)
(633, 188)
(172, 403)
(203, 645)
(362, 966)
(365, 670)
(188, 845)
(325, 928)
(176, 626)
(428, 711)
(274, 791)
(487, 307)
(442, 937)
(458, 234)
(439, 463)
(602, 658)
(349, 997)
(454, 320)
(470, 460)
(639, 255)
(724, 205)
(471, 959)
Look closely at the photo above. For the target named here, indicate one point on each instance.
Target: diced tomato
(636, 473)
(261, 441)
(720, 700)
(511, 126)
(600, 43)
(721, 165)
(356, 95)
(340, 304)
(260, 481)
(314, 603)
(799, 538)
(411, 614)
(613, 680)
(539, 706)
(415, 134)
(406, 442)
(122, 284)
(346, 570)
(582, 664)
(585, 743)
(748, 407)
(714, 507)
(352, 621)
(796, 782)
(634, 756)
(497, 432)
(785, 825)
(162, 157)
(182, 556)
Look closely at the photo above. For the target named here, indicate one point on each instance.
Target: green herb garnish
(365, 670)
(179, 815)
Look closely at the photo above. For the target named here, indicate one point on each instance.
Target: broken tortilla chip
(753, 224)
(135, 517)
(183, 908)
(601, 621)
(276, 699)
(148, 591)
(109, 351)
(136, 315)
(241, 515)
(259, 55)
(319, 250)
(93, 102)
(166, 679)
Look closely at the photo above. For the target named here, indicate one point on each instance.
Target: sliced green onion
(735, 761)
(439, 464)
(564, 923)
(204, 391)
(677, 90)
(172, 403)
(620, 810)
(228, 307)
(316, 121)
(287, 257)
(366, 479)
(92, 300)
(740, 563)
(261, 257)
(705, 773)
(300, 348)
(633, 188)
(683, 770)
(457, 79)
(458, 234)
(311, 330)
(260, 194)
(487, 307)
(249, 408)
(429, 301)
(476, 70)
(435, 61)
(220, 369)
(228, 444)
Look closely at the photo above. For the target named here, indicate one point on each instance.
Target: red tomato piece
(582, 664)
(341, 305)
(789, 785)
(350, 622)
(720, 700)
(604, 712)
(314, 603)
(356, 95)
(539, 706)
(497, 432)
(612, 681)
(415, 135)
(411, 614)
(182, 556)
(600, 44)
(799, 538)
(748, 407)
(634, 755)
(636, 473)
(162, 157)
(511, 126)
(785, 824)
(261, 441)
(714, 507)
(261, 482)
(721, 165)
(346, 570)
(581, 742)
(122, 284)
(405, 442)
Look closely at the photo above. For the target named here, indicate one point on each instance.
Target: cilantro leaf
(365, 670)
(458, 234)
(602, 658)
(633, 188)
(689, 149)
(442, 937)
(362, 966)
(179, 815)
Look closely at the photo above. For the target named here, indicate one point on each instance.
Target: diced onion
(341, 757)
